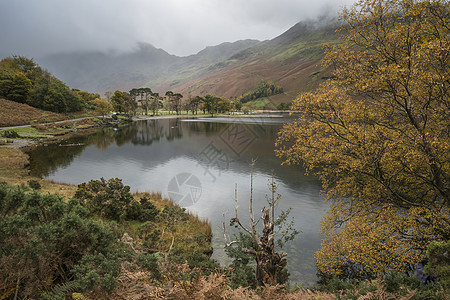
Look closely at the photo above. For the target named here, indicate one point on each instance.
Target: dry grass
(13, 113)
(215, 287)
(135, 285)
(12, 164)
(13, 170)
(185, 231)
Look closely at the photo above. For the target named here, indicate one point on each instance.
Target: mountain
(291, 60)
(100, 72)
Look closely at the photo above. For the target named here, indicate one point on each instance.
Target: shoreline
(33, 140)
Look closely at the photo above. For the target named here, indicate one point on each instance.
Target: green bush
(439, 262)
(263, 89)
(243, 274)
(150, 263)
(46, 240)
(10, 134)
(112, 199)
(143, 211)
(34, 184)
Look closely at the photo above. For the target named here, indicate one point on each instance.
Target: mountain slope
(100, 72)
(229, 69)
(292, 60)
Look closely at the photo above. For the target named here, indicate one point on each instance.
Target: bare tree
(269, 263)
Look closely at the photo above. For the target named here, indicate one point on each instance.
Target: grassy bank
(15, 114)
(168, 240)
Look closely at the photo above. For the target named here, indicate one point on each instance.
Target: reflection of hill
(291, 60)
(151, 143)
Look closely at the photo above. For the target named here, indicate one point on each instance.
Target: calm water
(197, 163)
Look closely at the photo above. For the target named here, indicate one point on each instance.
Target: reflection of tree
(45, 160)
(193, 127)
(148, 132)
(125, 135)
(212, 128)
(104, 138)
(175, 130)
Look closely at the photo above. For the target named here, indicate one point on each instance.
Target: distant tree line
(24, 81)
(144, 100)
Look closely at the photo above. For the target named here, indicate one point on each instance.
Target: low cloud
(181, 27)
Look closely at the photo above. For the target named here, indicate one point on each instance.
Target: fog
(181, 27)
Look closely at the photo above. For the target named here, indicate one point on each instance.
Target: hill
(146, 66)
(13, 114)
(291, 60)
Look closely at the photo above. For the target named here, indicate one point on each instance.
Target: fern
(60, 291)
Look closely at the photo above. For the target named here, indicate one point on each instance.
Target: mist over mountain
(100, 72)
(217, 69)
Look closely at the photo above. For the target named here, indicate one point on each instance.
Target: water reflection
(148, 155)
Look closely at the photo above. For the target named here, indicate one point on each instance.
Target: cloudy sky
(37, 27)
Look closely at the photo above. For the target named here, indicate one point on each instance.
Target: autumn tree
(377, 135)
(123, 102)
(223, 105)
(102, 106)
(87, 98)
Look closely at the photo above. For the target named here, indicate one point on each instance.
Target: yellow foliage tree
(102, 106)
(378, 136)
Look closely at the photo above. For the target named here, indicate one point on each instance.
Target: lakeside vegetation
(85, 243)
(186, 272)
(376, 135)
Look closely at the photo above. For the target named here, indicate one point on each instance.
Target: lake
(197, 163)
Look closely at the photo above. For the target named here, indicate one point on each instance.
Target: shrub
(150, 262)
(10, 134)
(143, 211)
(112, 199)
(47, 241)
(109, 199)
(34, 184)
(42, 127)
(439, 262)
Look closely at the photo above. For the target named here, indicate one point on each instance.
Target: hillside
(146, 66)
(13, 114)
(292, 60)
(229, 69)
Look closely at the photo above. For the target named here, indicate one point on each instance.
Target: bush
(34, 184)
(47, 241)
(263, 89)
(150, 262)
(143, 211)
(112, 200)
(439, 262)
(10, 134)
